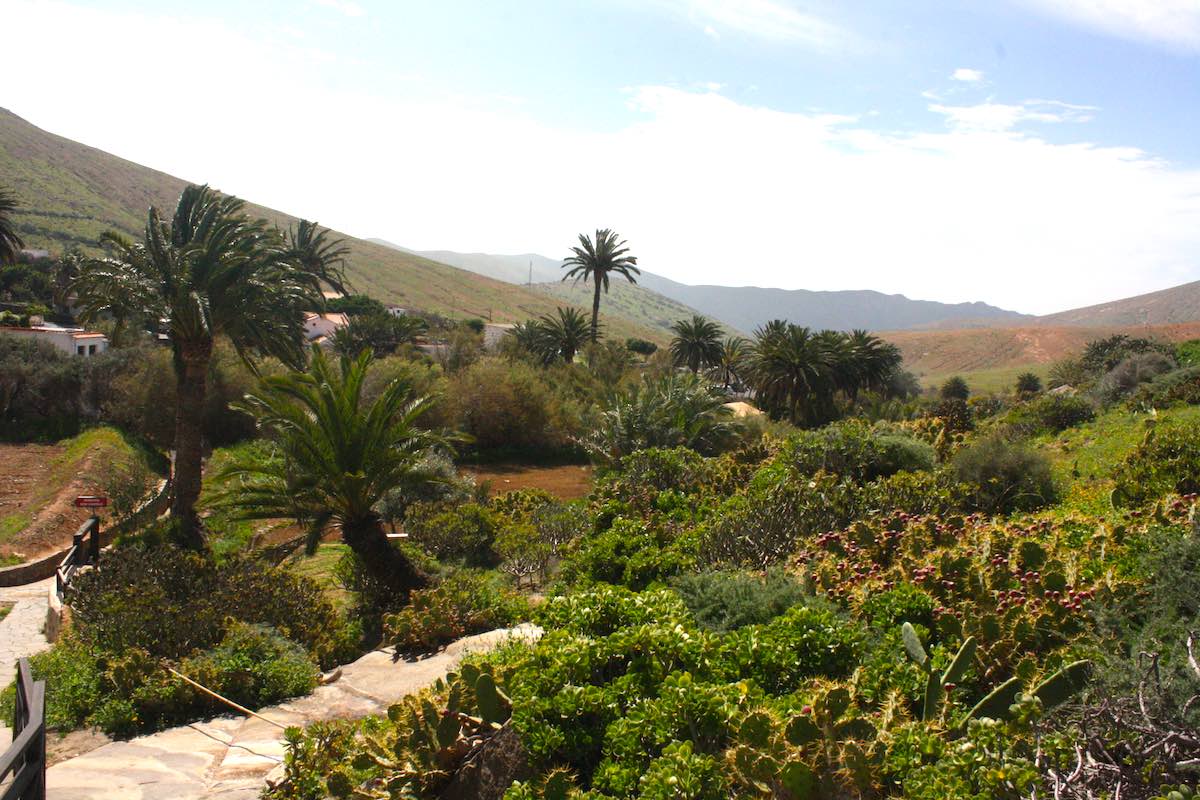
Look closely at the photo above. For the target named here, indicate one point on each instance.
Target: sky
(1034, 154)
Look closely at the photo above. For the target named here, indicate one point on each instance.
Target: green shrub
(905, 603)
(1167, 460)
(463, 603)
(856, 451)
(630, 553)
(131, 691)
(725, 601)
(1179, 387)
(254, 666)
(1125, 378)
(1053, 413)
(507, 406)
(169, 603)
(804, 642)
(465, 532)
(1004, 476)
(602, 610)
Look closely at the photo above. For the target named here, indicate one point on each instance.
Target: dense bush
(724, 601)
(1167, 460)
(1005, 476)
(1179, 387)
(247, 630)
(1125, 378)
(507, 405)
(856, 451)
(130, 691)
(466, 532)
(1053, 413)
(462, 603)
(630, 552)
(170, 602)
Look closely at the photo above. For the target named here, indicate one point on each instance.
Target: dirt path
(566, 482)
(230, 757)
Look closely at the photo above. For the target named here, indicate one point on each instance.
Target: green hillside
(627, 300)
(70, 193)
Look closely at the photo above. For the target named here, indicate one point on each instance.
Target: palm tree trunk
(191, 371)
(596, 310)
(386, 564)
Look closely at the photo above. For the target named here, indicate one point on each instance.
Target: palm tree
(789, 368)
(10, 243)
(595, 260)
(323, 258)
(733, 355)
(335, 459)
(561, 335)
(697, 343)
(208, 271)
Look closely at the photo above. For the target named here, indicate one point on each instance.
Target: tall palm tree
(733, 355)
(208, 271)
(336, 459)
(10, 242)
(322, 257)
(594, 260)
(697, 343)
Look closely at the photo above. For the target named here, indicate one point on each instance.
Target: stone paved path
(21, 633)
(229, 758)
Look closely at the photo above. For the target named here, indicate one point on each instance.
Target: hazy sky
(1035, 154)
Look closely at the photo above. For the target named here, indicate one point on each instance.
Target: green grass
(320, 567)
(1086, 458)
(999, 380)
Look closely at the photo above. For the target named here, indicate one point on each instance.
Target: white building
(322, 326)
(395, 310)
(73, 341)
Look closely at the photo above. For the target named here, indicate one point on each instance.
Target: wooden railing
(85, 549)
(23, 765)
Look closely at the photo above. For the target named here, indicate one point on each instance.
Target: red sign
(90, 501)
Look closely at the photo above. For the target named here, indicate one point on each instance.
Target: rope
(224, 700)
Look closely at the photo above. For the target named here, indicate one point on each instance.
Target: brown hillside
(942, 352)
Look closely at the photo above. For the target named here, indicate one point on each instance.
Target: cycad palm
(337, 459)
(10, 242)
(208, 271)
(697, 343)
(594, 260)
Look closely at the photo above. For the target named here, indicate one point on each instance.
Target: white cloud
(967, 75)
(772, 20)
(1172, 22)
(347, 7)
(991, 116)
(706, 189)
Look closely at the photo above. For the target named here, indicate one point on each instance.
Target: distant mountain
(1165, 307)
(69, 193)
(745, 308)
